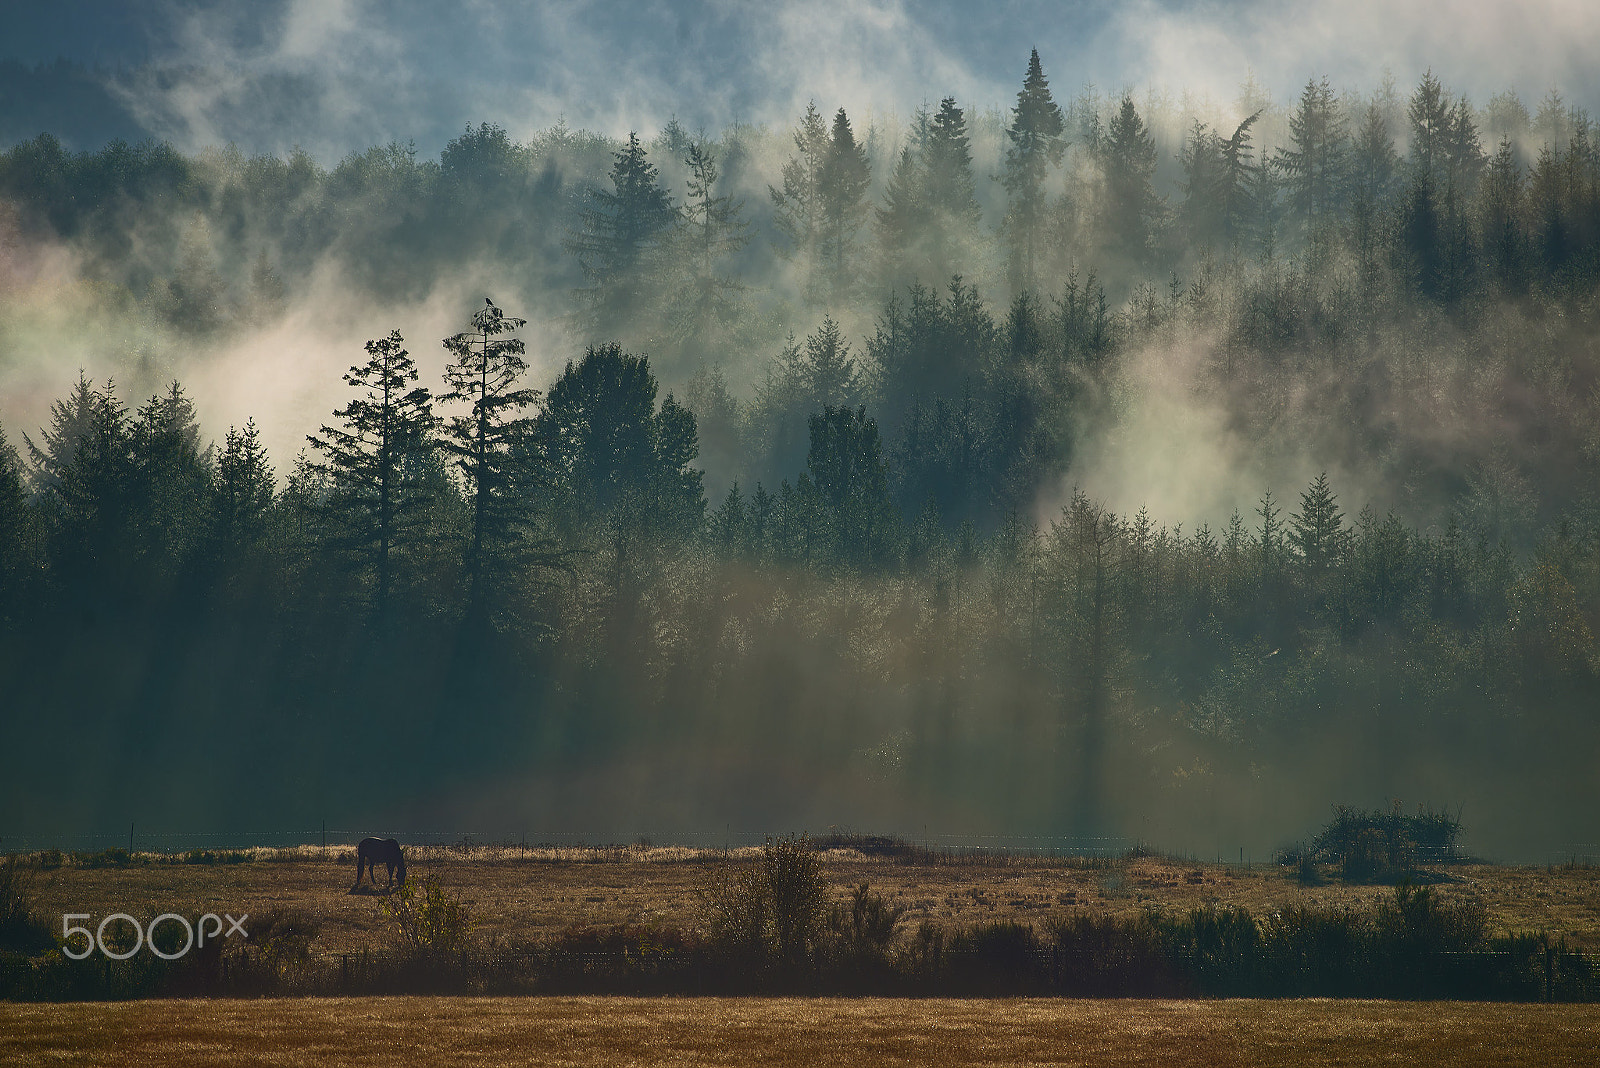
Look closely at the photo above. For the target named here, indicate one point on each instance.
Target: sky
(335, 76)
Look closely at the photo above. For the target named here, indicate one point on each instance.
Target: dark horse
(374, 851)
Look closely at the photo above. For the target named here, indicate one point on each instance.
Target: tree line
(845, 576)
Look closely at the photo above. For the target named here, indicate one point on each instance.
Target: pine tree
(1374, 163)
(1035, 146)
(241, 494)
(484, 375)
(622, 232)
(1431, 126)
(1500, 211)
(842, 188)
(1464, 151)
(831, 378)
(95, 542)
(611, 454)
(798, 207)
(851, 479)
(950, 195)
(899, 223)
(171, 482)
(16, 534)
(375, 460)
(1200, 159)
(1234, 176)
(1314, 165)
(1128, 157)
(1317, 531)
(713, 229)
(71, 421)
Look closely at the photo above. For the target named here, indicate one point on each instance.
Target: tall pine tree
(621, 235)
(376, 459)
(1035, 145)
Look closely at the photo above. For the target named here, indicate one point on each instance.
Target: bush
(106, 858)
(773, 910)
(20, 930)
(863, 929)
(1376, 846)
(428, 918)
(216, 856)
(1108, 955)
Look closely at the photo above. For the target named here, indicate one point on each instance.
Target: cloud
(342, 75)
(1477, 48)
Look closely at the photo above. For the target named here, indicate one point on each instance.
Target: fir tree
(71, 421)
(483, 374)
(1314, 164)
(798, 206)
(622, 231)
(948, 190)
(1431, 124)
(241, 493)
(713, 230)
(831, 375)
(842, 188)
(1317, 530)
(1128, 158)
(1035, 146)
(904, 213)
(375, 460)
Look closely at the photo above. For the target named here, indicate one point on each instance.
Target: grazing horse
(386, 851)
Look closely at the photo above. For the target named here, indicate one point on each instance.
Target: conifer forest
(1095, 465)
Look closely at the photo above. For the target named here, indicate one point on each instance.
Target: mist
(1000, 513)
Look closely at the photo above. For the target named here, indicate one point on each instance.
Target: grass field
(784, 1031)
(518, 894)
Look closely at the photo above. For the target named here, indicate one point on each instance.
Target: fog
(340, 170)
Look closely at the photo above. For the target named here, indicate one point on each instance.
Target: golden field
(521, 894)
(793, 1032)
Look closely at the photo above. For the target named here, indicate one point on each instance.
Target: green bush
(428, 918)
(1378, 846)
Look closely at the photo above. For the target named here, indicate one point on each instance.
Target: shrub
(106, 858)
(1217, 947)
(216, 856)
(864, 928)
(774, 909)
(1108, 955)
(427, 917)
(1378, 846)
(20, 930)
(1416, 920)
(1003, 948)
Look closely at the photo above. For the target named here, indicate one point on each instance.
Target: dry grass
(763, 1031)
(516, 894)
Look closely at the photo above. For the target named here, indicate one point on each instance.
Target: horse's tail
(400, 865)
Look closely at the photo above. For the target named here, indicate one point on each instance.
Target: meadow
(539, 892)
